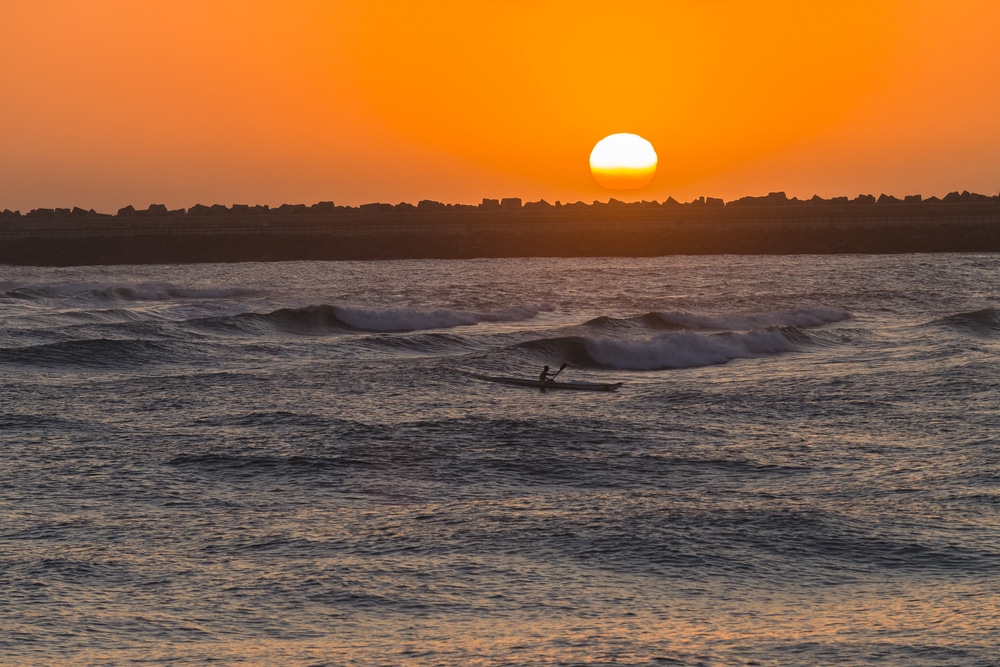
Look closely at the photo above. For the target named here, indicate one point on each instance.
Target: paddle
(551, 378)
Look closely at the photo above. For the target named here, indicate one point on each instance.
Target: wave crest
(686, 321)
(684, 349)
(983, 322)
(329, 318)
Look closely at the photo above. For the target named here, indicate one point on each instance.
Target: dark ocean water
(295, 463)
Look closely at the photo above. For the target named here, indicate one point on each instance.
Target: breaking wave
(684, 349)
(684, 321)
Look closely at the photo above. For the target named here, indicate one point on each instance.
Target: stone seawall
(606, 230)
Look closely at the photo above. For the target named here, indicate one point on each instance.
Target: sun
(623, 162)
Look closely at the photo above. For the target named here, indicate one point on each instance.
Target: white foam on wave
(803, 317)
(412, 319)
(686, 349)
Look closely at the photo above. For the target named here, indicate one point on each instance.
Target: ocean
(299, 463)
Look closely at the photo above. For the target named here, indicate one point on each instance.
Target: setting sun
(623, 162)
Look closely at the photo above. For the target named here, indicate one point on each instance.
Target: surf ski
(552, 384)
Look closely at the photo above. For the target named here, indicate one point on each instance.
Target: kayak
(552, 384)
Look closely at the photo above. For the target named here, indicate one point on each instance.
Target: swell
(270, 418)
(262, 463)
(824, 537)
(78, 317)
(16, 421)
(426, 343)
(984, 322)
(95, 353)
(110, 292)
(320, 319)
(814, 544)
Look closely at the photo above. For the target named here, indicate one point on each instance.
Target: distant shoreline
(959, 222)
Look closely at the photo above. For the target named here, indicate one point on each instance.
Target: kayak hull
(551, 384)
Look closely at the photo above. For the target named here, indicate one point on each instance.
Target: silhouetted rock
(153, 210)
(771, 199)
(773, 224)
(374, 207)
(773, 203)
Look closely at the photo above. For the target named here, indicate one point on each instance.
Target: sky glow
(114, 102)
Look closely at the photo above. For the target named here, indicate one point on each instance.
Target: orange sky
(114, 102)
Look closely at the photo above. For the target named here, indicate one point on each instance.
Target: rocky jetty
(506, 227)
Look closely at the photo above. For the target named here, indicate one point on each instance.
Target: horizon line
(514, 203)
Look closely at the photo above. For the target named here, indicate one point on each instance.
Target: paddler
(546, 375)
